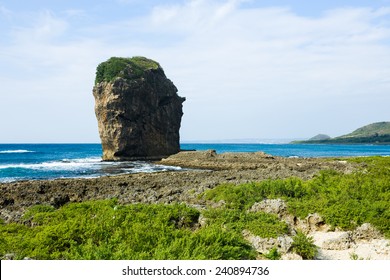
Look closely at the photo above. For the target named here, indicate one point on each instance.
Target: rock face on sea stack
(138, 109)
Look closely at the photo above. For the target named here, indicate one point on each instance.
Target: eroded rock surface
(264, 245)
(138, 110)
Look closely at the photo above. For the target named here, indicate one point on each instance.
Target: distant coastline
(373, 140)
(375, 133)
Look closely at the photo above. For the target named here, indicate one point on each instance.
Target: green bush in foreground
(304, 246)
(260, 224)
(105, 230)
(273, 254)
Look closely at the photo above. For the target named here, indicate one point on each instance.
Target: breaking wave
(76, 168)
(64, 164)
(16, 152)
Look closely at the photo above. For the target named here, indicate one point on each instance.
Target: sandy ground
(374, 249)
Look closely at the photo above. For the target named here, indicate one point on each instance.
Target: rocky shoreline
(201, 171)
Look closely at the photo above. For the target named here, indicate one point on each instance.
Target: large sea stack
(138, 110)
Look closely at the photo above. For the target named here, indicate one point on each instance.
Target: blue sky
(249, 69)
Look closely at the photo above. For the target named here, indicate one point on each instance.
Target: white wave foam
(16, 151)
(92, 167)
(65, 164)
(7, 179)
(144, 167)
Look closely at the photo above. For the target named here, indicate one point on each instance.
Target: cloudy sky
(249, 69)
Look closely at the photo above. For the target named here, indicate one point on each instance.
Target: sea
(51, 161)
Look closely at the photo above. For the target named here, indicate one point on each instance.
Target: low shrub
(106, 230)
(273, 254)
(304, 246)
(260, 224)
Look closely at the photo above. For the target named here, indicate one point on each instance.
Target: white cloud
(75, 13)
(4, 12)
(45, 27)
(276, 64)
(246, 73)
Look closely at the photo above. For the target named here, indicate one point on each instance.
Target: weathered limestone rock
(264, 245)
(138, 110)
(272, 206)
(366, 232)
(291, 256)
(339, 241)
(313, 222)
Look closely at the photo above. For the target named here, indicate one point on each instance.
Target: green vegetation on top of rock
(123, 67)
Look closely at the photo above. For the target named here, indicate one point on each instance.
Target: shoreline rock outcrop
(138, 110)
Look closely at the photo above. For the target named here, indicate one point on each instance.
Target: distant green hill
(375, 133)
(371, 130)
(320, 137)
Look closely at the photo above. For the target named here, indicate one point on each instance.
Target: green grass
(123, 67)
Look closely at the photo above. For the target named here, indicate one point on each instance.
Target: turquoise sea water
(50, 161)
(297, 150)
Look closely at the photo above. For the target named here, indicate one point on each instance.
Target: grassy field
(107, 230)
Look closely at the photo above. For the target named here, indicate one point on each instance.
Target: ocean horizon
(75, 160)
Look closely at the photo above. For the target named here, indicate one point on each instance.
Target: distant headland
(375, 133)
